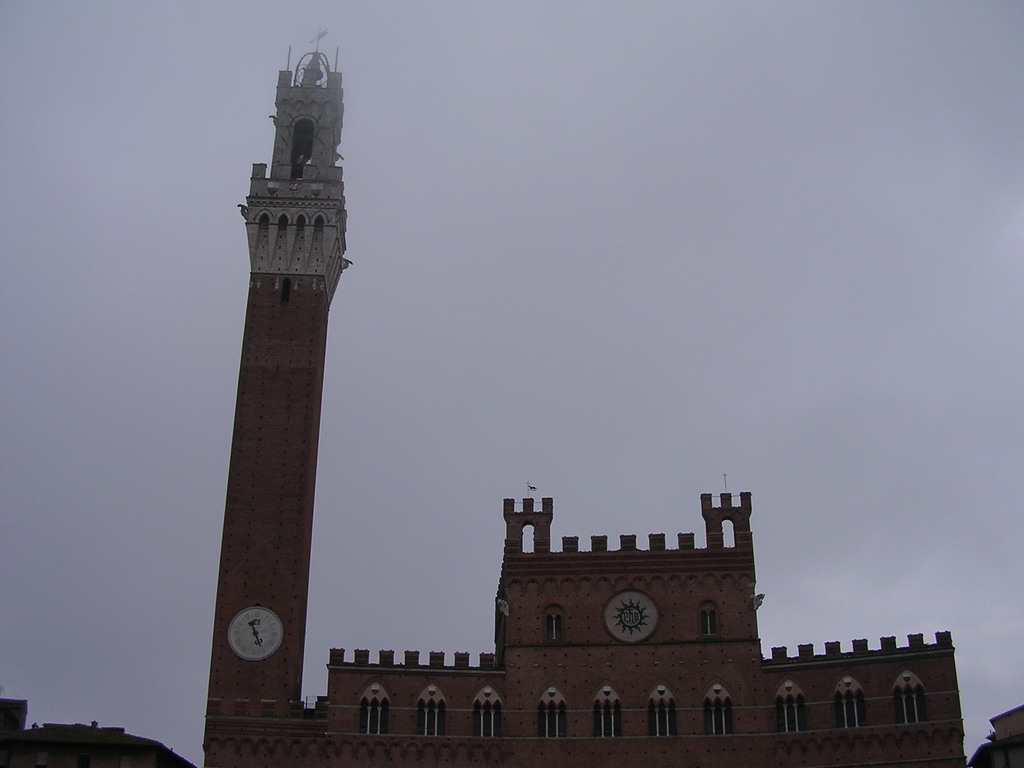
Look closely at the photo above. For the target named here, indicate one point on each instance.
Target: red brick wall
(269, 511)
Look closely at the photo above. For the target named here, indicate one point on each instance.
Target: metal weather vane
(321, 32)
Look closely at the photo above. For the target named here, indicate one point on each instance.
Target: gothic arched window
(851, 709)
(790, 714)
(487, 714)
(607, 713)
(373, 710)
(430, 713)
(790, 709)
(908, 696)
(717, 711)
(661, 713)
(430, 718)
(551, 715)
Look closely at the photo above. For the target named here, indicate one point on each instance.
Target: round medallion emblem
(631, 616)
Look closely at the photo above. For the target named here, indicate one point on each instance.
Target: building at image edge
(604, 656)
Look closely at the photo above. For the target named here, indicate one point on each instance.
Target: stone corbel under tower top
(295, 218)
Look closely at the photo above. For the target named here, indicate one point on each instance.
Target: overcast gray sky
(615, 250)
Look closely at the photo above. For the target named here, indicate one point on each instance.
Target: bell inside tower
(302, 146)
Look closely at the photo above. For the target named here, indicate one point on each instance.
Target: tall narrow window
(708, 622)
(553, 626)
(528, 533)
(318, 224)
(728, 534)
(286, 290)
(264, 221)
(302, 146)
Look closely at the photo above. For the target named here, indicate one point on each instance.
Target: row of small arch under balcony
(661, 715)
(282, 222)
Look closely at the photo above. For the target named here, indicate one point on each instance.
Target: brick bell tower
(295, 220)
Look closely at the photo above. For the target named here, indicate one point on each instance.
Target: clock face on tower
(255, 633)
(631, 616)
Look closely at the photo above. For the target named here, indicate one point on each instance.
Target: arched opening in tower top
(302, 145)
(728, 533)
(528, 537)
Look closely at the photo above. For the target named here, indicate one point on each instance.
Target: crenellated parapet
(410, 660)
(716, 516)
(528, 516)
(525, 514)
(886, 646)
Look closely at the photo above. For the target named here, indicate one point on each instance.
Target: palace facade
(635, 653)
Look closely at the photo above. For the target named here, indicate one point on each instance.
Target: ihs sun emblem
(631, 616)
